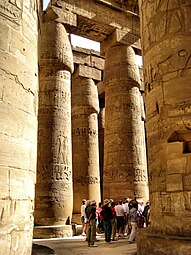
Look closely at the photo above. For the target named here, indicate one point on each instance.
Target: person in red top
(114, 222)
(106, 213)
(99, 218)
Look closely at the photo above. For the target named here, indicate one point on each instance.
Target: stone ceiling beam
(88, 72)
(120, 36)
(95, 19)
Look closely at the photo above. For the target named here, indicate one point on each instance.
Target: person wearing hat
(83, 217)
(107, 216)
(127, 223)
(91, 224)
(133, 219)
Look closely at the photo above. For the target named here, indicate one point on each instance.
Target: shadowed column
(125, 168)
(85, 109)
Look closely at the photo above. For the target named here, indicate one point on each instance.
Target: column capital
(120, 36)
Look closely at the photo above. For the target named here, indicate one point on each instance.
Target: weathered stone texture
(166, 51)
(151, 243)
(124, 146)
(18, 129)
(54, 168)
(101, 127)
(98, 19)
(85, 155)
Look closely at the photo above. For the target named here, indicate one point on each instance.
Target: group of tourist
(114, 220)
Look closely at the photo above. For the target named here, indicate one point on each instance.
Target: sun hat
(106, 201)
(93, 202)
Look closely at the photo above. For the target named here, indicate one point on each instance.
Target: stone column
(125, 168)
(101, 127)
(18, 124)
(85, 154)
(54, 195)
(166, 38)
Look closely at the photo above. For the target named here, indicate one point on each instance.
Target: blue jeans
(107, 229)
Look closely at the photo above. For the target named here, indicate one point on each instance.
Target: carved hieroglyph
(54, 196)
(124, 143)
(166, 38)
(18, 123)
(85, 154)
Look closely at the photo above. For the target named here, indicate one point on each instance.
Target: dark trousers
(107, 229)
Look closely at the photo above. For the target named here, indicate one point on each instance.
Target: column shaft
(101, 127)
(18, 123)
(54, 197)
(85, 108)
(125, 168)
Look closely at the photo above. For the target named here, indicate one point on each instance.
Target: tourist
(83, 217)
(120, 212)
(146, 214)
(127, 223)
(133, 202)
(114, 222)
(133, 219)
(107, 216)
(140, 213)
(91, 224)
(99, 219)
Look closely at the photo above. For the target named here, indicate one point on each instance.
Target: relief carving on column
(11, 10)
(86, 180)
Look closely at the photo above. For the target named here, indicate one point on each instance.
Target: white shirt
(126, 208)
(119, 210)
(83, 210)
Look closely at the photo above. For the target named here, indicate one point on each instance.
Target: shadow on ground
(41, 250)
(77, 245)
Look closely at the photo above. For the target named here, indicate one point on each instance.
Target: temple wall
(167, 65)
(18, 118)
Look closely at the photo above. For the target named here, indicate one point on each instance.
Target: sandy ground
(78, 246)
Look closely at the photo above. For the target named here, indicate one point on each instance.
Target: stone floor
(78, 246)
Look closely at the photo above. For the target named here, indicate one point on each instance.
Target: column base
(76, 218)
(61, 231)
(150, 243)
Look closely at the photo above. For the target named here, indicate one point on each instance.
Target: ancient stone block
(174, 182)
(176, 165)
(88, 72)
(175, 149)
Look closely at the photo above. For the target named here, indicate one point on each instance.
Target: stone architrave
(166, 42)
(54, 194)
(125, 167)
(85, 152)
(18, 123)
